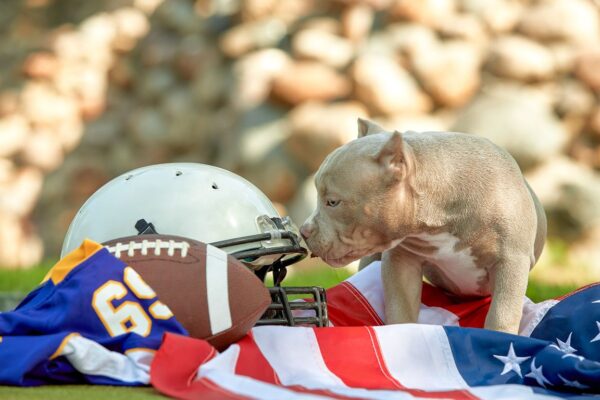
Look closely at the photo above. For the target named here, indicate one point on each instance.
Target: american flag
(445, 356)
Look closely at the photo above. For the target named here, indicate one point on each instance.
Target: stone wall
(267, 88)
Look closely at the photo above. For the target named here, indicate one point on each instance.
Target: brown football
(213, 295)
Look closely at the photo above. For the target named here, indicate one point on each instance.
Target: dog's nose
(306, 230)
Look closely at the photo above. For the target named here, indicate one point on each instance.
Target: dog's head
(363, 195)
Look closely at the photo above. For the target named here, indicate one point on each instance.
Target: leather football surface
(213, 295)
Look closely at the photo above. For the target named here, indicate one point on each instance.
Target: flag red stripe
(364, 367)
(251, 362)
(451, 394)
(174, 367)
(470, 313)
(348, 307)
(360, 367)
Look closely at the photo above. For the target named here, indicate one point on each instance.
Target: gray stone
(330, 49)
(309, 80)
(317, 129)
(387, 88)
(275, 175)
(570, 194)
(20, 193)
(411, 39)
(260, 130)
(304, 202)
(450, 73)
(254, 74)
(464, 27)
(519, 58)
(14, 130)
(148, 126)
(357, 20)
(43, 150)
(498, 15)
(179, 15)
(517, 120)
(416, 122)
(155, 83)
(426, 12)
(573, 98)
(587, 68)
(249, 36)
(576, 21)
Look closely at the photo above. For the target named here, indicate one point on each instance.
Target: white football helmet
(197, 201)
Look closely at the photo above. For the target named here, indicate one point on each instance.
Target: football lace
(145, 245)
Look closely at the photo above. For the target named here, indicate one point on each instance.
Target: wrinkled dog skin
(452, 207)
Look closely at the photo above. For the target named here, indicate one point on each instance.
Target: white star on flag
(574, 384)
(511, 361)
(597, 337)
(536, 373)
(566, 347)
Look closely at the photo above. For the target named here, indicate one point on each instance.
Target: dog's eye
(332, 203)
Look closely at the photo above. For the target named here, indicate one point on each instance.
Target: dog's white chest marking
(457, 266)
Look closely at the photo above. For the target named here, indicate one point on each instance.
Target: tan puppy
(452, 207)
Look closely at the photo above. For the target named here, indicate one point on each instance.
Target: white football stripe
(297, 360)
(415, 353)
(217, 290)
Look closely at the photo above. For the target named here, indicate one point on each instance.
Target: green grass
(537, 291)
(26, 280)
(78, 392)
(23, 280)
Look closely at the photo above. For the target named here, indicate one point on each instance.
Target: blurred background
(267, 88)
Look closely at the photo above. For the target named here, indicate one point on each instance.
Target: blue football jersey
(93, 320)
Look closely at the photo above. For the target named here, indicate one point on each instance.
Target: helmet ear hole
(214, 186)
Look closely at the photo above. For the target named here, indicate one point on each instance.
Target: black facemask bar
(291, 254)
(280, 312)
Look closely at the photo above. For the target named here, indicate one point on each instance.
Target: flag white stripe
(508, 392)
(297, 359)
(419, 356)
(437, 316)
(217, 290)
(368, 283)
(249, 387)
(221, 371)
(533, 313)
(225, 362)
(255, 389)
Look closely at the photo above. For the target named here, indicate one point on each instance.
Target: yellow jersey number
(129, 316)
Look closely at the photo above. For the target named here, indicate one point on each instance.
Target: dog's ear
(391, 155)
(366, 127)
